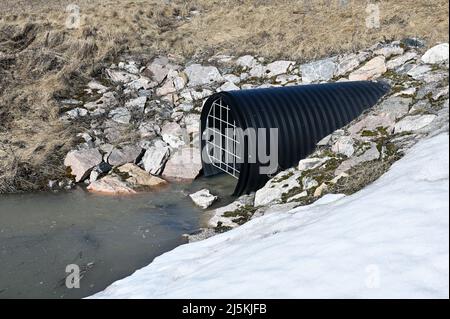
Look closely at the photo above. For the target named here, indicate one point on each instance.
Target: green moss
(220, 228)
(241, 215)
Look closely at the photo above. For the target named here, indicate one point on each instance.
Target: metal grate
(223, 145)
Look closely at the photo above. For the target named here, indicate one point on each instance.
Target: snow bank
(390, 240)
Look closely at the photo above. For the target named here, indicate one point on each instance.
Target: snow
(390, 240)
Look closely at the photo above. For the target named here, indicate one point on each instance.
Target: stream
(108, 237)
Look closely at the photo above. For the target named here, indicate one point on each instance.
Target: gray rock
(184, 164)
(202, 75)
(396, 106)
(389, 50)
(309, 182)
(81, 162)
(350, 62)
(76, 113)
(246, 61)
(257, 71)
(369, 71)
(136, 103)
(399, 61)
(159, 68)
(274, 189)
(418, 71)
(322, 70)
(203, 198)
(121, 76)
(155, 157)
(436, 54)
(311, 163)
(284, 79)
(120, 115)
(123, 155)
(228, 86)
(413, 123)
(278, 67)
(232, 78)
(369, 155)
(344, 145)
(174, 135)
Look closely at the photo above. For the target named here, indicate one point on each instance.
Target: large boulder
(274, 189)
(125, 154)
(369, 71)
(110, 185)
(185, 164)
(155, 157)
(202, 75)
(81, 162)
(370, 154)
(436, 54)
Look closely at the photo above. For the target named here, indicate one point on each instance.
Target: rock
(120, 115)
(192, 124)
(232, 78)
(344, 145)
(203, 198)
(126, 154)
(414, 42)
(439, 93)
(81, 162)
(217, 215)
(395, 107)
(71, 102)
(297, 197)
(202, 75)
(167, 88)
(137, 178)
(389, 50)
(398, 61)
(246, 61)
(311, 163)
(173, 134)
(348, 63)
(155, 157)
(322, 70)
(228, 86)
(369, 155)
(107, 101)
(185, 107)
(185, 163)
(159, 68)
(278, 67)
(274, 189)
(141, 83)
(372, 123)
(418, 71)
(309, 182)
(110, 185)
(284, 79)
(257, 71)
(436, 54)
(94, 85)
(137, 103)
(121, 76)
(413, 123)
(320, 190)
(420, 106)
(76, 113)
(406, 92)
(369, 71)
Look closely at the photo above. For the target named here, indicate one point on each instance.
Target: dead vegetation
(41, 60)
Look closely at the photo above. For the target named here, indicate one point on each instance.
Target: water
(107, 237)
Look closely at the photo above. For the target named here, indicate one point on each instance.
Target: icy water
(107, 237)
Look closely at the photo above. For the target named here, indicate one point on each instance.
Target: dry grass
(41, 59)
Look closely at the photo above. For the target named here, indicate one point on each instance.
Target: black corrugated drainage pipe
(253, 134)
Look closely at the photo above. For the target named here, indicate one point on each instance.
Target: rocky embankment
(139, 124)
